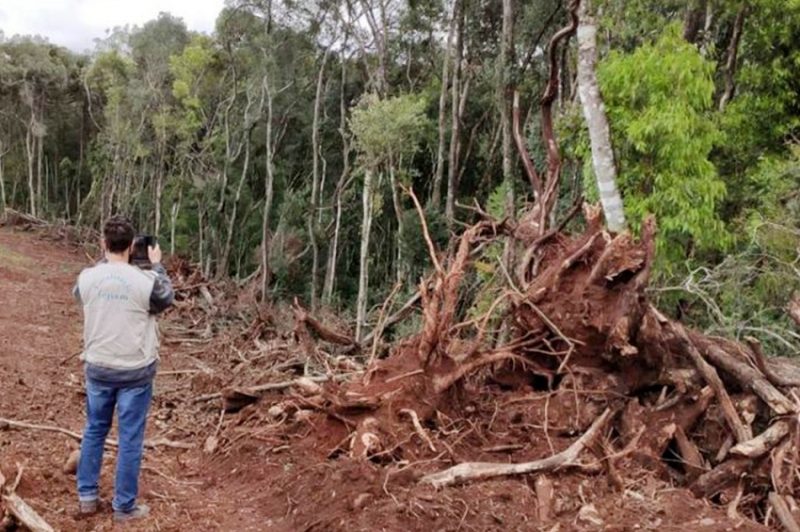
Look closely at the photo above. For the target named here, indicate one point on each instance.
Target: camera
(139, 255)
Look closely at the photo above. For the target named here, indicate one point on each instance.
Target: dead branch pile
(588, 350)
(60, 230)
(571, 354)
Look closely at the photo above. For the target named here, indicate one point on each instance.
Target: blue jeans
(132, 405)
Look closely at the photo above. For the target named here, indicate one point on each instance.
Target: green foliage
(659, 99)
(158, 113)
(389, 128)
(193, 83)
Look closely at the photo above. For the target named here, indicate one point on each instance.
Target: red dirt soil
(290, 479)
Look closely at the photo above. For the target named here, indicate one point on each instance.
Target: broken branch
(484, 470)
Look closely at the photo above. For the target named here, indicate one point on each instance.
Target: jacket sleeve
(76, 293)
(163, 295)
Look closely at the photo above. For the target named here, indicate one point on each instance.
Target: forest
(430, 246)
(283, 145)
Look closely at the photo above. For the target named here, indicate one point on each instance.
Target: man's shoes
(140, 511)
(86, 508)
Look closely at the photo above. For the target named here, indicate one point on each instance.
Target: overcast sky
(76, 23)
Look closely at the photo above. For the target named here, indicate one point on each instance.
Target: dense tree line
(285, 146)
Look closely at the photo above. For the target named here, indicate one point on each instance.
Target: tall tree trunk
(173, 220)
(81, 143)
(200, 233)
(3, 204)
(224, 265)
(400, 267)
(363, 273)
(313, 219)
(29, 148)
(436, 192)
(341, 186)
(732, 53)
(379, 36)
(247, 129)
(266, 271)
(39, 158)
(455, 115)
(706, 40)
(159, 187)
(504, 86)
(596, 120)
(694, 20)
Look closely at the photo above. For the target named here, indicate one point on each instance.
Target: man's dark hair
(118, 233)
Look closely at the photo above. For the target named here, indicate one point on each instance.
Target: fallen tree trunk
(748, 377)
(483, 470)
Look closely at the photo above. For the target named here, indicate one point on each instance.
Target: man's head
(118, 235)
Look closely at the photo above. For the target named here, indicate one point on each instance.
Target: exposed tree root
(580, 341)
(584, 324)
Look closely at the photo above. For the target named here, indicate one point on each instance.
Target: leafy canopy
(660, 99)
(390, 127)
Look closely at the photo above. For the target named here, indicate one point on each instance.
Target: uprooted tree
(579, 318)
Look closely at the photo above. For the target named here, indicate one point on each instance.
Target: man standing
(120, 337)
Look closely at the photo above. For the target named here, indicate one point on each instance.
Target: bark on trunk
(504, 84)
(226, 252)
(436, 192)
(732, 53)
(596, 120)
(694, 21)
(344, 180)
(176, 208)
(268, 193)
(39, 155)
(313, 224)
(400, 267)
(29, 147)
(455, 114)
(3, 203)
(363, 272)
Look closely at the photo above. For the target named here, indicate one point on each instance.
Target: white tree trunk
(363, 272)
(455, 115)
(268, 194)
(29, 146)
(344, 180)
(3, 204)
(176, 208)
(400, 266)
(503, 88)
(39, 155)
(224, 265)
(596, 121)
(436, 193)
(315, 185)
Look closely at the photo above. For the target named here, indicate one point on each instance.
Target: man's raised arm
(162, 295)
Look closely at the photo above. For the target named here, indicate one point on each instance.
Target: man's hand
(154, 254)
